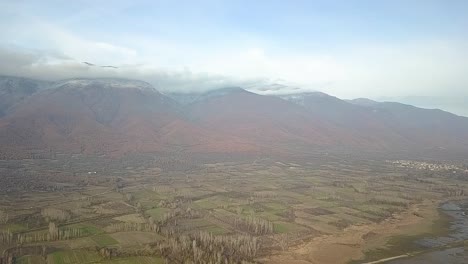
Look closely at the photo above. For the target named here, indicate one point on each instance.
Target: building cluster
(422, 165)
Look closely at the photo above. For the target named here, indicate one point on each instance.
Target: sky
(349, 49)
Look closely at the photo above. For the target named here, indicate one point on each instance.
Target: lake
(449, 248)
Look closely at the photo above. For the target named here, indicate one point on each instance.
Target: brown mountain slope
(273, 123)
(360, 122)
(115, 117)
(14, 90)
(101, 116)
(423, 128)
(390, 126)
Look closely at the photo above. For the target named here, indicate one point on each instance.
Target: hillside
(117, 116)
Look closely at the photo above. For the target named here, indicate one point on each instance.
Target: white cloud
(425, 67)
(419, 67)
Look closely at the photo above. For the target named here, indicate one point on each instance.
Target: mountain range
(118, 116)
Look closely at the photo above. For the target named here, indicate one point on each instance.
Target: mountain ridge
(117, 116)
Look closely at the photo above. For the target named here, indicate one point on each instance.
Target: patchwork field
(264, 211)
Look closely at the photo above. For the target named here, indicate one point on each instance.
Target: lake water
(459, 232)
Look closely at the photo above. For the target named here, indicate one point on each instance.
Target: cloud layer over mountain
(387, 49)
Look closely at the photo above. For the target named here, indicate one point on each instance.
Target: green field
(157, 213)
(134, 260)
(31, 260)
(143, 212)
(87, 229)
(104, 240)
(73, 257)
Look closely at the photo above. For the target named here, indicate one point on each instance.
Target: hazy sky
(345, 48)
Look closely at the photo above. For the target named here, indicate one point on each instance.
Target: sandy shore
(352, 242)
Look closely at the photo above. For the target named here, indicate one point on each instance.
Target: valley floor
(354, 242)
(150, 210)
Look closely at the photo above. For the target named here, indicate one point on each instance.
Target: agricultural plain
(72, 210)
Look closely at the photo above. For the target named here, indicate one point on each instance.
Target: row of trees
(204, 247)
(53, 214)
(168, 220)
(4, 217)
(128, 227)
(251, 224)
(254, 225)
(6, 237)
(389, 201)
(172, 215)
(54, 233)
(451, 192)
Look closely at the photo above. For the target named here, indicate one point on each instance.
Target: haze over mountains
(116, 116)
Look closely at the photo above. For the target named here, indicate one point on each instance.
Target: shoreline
(388, 259)
(461, 242)
(417, 221)
(414, 254)
(403, 245)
